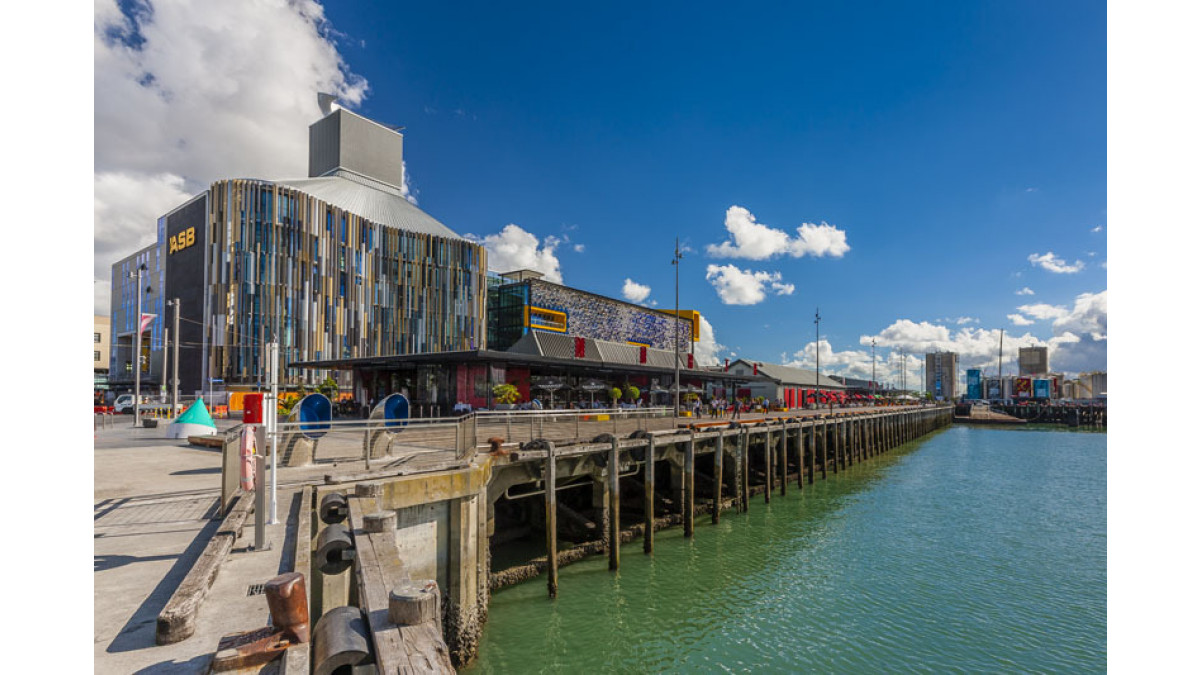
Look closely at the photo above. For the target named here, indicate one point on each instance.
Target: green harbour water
(972, 550)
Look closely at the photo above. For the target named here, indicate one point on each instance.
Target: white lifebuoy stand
(248, 450)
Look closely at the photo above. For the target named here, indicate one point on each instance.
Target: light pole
(137, 350)
(872, 372)
(817, 322)
(675, 261)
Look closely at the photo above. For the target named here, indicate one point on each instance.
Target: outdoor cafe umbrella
(550, 387)
(591, 387)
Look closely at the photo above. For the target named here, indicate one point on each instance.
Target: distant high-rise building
(1034, 360)
(941, 374)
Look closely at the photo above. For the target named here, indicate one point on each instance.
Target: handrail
(569, 411)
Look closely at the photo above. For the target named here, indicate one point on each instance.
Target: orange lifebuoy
(247, 454)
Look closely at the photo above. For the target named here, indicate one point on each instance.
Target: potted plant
(505, 396)
(632, 393)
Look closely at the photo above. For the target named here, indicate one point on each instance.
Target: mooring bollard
(335, 549)
(340, 641)
(414, 603)
(287, 598)
(384, 521)
(334, 508)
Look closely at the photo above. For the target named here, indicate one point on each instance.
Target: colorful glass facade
(327, 283)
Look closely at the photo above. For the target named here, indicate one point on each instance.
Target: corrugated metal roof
(797, 376)
(614, 352)
(563, 346)
(372, 200)
(662, 358)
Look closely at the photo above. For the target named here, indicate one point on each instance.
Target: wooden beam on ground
(177, 620)
(296, 660)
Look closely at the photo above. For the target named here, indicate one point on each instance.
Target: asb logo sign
(182, 240)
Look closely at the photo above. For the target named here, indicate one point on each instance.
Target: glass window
(97, 357)
(97, 338)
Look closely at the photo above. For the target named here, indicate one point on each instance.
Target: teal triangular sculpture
(197, 414)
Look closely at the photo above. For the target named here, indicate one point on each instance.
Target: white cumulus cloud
(1049, 261)
(515, 249)
(1025, 291)
(708, 350)
(1043, 311)
(755, 241)
(1020, 320)
(744, 287)
(188, 93)
(635, 292)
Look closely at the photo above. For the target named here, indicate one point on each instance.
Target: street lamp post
(675, 261)
(137, 350)
(817, 321)
(872, 372)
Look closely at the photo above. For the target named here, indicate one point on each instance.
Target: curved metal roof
(370, 199)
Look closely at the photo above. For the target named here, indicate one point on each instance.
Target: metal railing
(521, 426)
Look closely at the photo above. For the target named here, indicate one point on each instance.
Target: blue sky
(957, 149)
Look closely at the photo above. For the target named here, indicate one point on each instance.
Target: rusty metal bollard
(288, 602)
(287, 599)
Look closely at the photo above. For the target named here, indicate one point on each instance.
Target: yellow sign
(183, 240)
(546, 319)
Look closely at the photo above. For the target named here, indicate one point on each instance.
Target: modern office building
(101, 339)
(123, 323)
(941, 375)
(337, 265)
(1033, 360)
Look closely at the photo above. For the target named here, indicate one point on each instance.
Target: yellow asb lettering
(182, 240)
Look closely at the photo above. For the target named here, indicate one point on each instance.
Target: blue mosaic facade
(589, 315)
